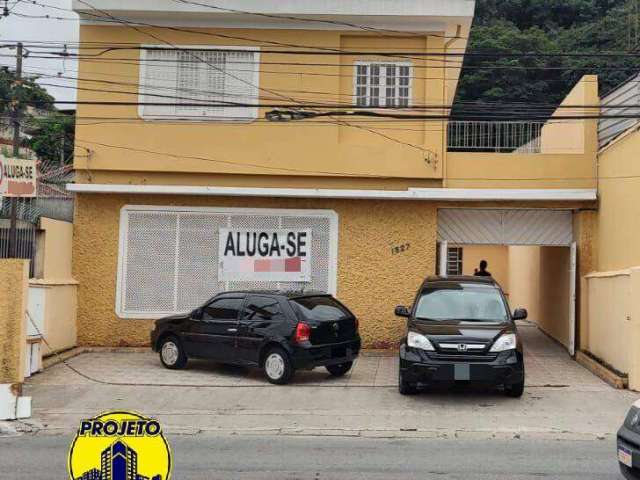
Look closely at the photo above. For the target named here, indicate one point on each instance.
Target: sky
(16, 27)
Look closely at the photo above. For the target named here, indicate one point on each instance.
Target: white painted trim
(573, 279)
(331, 215)
(255, 81)
(433, 194)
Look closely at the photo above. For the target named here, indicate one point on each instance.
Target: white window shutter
(159, 83)
(200, 83)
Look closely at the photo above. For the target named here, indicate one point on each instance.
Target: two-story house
(185, 172)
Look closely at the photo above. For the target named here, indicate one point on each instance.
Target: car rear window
(319, 309)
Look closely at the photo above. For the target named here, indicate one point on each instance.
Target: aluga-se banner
(264, 255)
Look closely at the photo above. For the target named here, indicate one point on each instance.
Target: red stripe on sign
(262, 266)
(293, 264)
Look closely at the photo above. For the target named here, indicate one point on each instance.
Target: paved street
(562, 401)
(210, 457)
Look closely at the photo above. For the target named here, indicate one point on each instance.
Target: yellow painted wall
(554, 293)
(574, 136)
(524, 280)
(610, 305)
(344, 147)
(57, 249)
(371, 279)
(14, 275)
(619, 212)
(568, 158)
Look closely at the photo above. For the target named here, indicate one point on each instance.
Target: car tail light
(303, 333)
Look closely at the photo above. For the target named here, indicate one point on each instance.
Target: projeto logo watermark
(120, 446)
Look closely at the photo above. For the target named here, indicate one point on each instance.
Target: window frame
(383, 94)
(242, 301)
(250, 297)
(143, 90)
(459, 260)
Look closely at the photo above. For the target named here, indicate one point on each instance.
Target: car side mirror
(197, 314)
(402, 311)
(520, 314)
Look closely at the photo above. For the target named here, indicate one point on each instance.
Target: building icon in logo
(118, 462)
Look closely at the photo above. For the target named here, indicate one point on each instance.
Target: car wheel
(514, 390)
(277, 366)
(340, 369)
(629, 472)
(406, 388)
(172, 354)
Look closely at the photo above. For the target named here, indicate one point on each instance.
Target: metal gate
(460, 226)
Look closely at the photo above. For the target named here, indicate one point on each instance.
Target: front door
(214, 335)
(261, 317)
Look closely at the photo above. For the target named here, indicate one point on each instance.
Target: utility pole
(13, 231)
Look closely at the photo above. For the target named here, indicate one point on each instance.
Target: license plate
(625, 456)
(462, 372)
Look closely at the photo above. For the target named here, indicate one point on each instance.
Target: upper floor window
(383, 84)
(199, 83)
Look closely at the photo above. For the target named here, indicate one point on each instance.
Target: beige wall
(554, 293)
(524, 280)
(14, 275)
(574, 136)
(371, 279)
(619, 212)
(609, 302)
(497, 256)
(60, 288)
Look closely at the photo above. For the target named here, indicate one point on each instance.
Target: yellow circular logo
(120, 446)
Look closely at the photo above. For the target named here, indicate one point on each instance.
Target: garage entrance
(533, 254)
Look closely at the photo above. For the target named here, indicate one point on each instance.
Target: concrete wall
(554, 293)
(610, 304)
(524, 280)
(14, 275)
(371, 279)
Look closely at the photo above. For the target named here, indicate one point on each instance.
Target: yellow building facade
(174, 146)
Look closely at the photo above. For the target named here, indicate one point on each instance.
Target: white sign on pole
(17, 177)
(264, 255)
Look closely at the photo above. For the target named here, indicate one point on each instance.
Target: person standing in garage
(483, 272)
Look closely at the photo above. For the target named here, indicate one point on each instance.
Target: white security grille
(197, 83)
(543, 227)
(383, 84)
(168, 261)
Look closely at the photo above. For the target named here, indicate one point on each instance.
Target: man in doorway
(483, 272)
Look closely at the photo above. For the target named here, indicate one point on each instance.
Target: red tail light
(303, 333)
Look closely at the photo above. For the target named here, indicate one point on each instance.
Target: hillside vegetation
(547, 26)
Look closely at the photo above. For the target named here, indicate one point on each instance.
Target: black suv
(277, 331)
(460, 329)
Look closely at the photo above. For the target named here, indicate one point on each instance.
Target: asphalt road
(209, 457)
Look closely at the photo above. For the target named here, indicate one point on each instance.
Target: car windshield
(465, 302)
(319, 309)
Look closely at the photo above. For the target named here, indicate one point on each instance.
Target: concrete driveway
(562, 400)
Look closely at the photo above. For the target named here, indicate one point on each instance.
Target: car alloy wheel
(274, 366)
(170, 353)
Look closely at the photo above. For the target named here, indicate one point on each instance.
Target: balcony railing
(471, 136)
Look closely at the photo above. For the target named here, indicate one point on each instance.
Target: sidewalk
(562, 400)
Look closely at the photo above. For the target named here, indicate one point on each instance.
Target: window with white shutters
(168, 258)
(383, 84)
(199, 83)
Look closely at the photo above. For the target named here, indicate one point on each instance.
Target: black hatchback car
(460, 330)
(277, 331)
